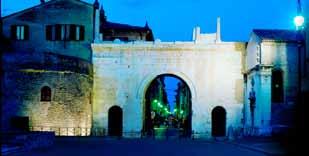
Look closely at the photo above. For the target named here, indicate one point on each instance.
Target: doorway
(115, 121)
(218, 124)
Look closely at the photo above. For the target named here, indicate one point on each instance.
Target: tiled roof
(111, 25)
(279, 35)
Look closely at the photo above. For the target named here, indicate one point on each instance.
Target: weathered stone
(212, 72)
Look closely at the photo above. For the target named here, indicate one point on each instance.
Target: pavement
(264, 145)
(81, 146)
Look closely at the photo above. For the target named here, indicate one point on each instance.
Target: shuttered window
(65, 32)
(20, 32)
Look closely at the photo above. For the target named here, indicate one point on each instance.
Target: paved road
(138, 147)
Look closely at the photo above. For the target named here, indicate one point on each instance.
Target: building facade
(271, 80)
(47, 69)
(81, 74)
(123, 73)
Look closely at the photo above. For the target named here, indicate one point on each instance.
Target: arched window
(45, 94)
(277, 86)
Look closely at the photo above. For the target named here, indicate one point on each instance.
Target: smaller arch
(218, 121)
(115, 121)
(45, 94)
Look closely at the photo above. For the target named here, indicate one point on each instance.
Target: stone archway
(183, 117)
(218, 122)
(115, 121)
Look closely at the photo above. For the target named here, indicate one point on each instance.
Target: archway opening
(167, 107)
(115, 121)
(218, 122)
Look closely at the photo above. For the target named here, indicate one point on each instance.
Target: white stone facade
(123, 71)
(262, 57)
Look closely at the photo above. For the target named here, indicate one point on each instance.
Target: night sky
(173, 20)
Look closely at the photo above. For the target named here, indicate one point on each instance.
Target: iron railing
(63, 131)
(83, 131)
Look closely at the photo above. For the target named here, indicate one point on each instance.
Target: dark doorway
(115, 121)
(218, 124)
(277, 86)
(20, 123)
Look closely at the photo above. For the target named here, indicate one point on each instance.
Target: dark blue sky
(173, 20)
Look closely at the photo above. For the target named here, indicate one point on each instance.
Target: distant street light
(299, 21)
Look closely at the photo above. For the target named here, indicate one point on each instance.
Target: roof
(39, 5)
(279, 35)
(111, 25)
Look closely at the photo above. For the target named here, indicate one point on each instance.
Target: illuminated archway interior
(167, 105)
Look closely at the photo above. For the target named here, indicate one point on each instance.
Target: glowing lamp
(299, 21)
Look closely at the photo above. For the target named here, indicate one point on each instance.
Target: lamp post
(299, 21)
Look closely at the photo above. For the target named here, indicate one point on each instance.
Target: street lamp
(299, 21)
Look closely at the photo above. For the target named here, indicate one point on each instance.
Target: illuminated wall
(263, 57)
(122, 72)
(69, 110)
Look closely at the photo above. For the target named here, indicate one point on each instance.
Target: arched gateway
(162, 116)
(124, 74)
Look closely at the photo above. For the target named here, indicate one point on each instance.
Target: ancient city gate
(123, 71)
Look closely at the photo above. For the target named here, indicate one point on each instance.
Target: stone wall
(122, 73)
(71, 87)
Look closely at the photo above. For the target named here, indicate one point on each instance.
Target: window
(277, 86)
(77, 32)
(65, 32)
(45, 94)
(19, 32)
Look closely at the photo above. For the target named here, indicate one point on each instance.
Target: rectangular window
(78, 33)
(62, 34)
(67, 32)
(20, 32)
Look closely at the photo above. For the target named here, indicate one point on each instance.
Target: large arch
(143, 86)
(145, 116)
